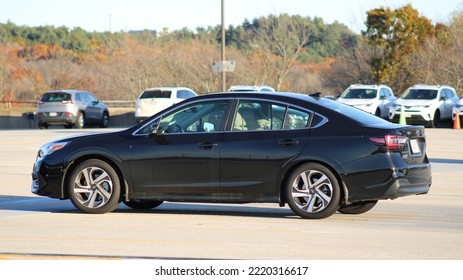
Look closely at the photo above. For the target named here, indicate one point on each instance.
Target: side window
(295, 119)
(263, 115)
(450, 93)
(258, 115)
(202, 117)
(184, 94)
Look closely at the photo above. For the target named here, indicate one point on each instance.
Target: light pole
(223, 45)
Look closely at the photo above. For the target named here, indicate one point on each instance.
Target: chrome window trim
(238, 99)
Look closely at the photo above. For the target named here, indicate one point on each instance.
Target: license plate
(53, 114)
(415, 147)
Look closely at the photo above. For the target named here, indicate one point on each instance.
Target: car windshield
(156, 94)
(359, 93)
(55, 97)
(425, 94)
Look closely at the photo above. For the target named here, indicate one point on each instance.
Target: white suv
(426, 104)
(153, 100)
(251, 88)
(374, 99)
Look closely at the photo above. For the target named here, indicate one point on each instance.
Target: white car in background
(251, 88)
(374, 99)
(153, 100)
(426, 104)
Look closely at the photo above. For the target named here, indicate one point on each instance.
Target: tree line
(290, 53)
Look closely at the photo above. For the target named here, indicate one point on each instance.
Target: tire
(378, 113)
(140, 204)
(435, 122)
(357, 207)
(94, 187)
(67, 126)
(308, 198)
(104, 120)
(80, 121)
(43, 125)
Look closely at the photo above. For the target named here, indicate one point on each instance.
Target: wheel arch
(75, 162)
(326, 163)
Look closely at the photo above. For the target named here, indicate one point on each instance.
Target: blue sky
(124, 15)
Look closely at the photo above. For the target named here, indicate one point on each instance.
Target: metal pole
(223, 45)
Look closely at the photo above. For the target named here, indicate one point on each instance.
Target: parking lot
(419, 227)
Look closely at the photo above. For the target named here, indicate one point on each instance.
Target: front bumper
(47, 179)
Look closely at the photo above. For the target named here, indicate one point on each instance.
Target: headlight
(51, 147)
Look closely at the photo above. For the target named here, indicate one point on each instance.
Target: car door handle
(288, 142)
(208, 145)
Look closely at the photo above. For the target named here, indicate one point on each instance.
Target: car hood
(415, 102)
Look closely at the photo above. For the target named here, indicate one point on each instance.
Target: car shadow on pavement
(44, 204)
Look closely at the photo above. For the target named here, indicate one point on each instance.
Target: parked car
(153, 100)
(458, 110)
(71, 108)
(251, 88)
(373, 99)
(321, 157)
(425, 104)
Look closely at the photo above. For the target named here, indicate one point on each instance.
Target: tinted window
(202, 117)
(359, 93)
(353, 113)
(184, 94)
(56, 97)
(156, 94)
(263, 115)
(258, 115)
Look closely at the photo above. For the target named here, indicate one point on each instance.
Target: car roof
(249, 88)
(367, 86)
(166, 88)
(71, 91)
(430, 86)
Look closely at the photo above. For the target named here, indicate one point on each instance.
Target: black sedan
(317, 155)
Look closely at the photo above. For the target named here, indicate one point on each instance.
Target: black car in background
(317, 155)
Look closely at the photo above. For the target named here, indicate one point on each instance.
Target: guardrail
(33, 103)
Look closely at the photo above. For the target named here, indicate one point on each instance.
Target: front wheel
(312, 191)
(94, 187)
(435, 122)
(104, 123)
(80, 121)
(357, 207)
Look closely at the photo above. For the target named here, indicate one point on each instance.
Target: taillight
(68, 101)
(41, 102)
(391, 142)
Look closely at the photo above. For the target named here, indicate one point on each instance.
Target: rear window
(156, 94)
(353, 113)
(55, 97)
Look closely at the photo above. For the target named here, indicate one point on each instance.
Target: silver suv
(373, 99)
(427, 104)
(71, 108)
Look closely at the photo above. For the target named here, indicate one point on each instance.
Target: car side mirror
(443, 98)
(382, 97)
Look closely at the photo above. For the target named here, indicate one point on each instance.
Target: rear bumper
(62, 119)
(406, 181)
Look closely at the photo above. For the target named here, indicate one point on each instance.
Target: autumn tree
(395, 34)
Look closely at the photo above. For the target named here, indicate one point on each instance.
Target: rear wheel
(43, 125)
(80, 121)
(94, 187)
(357, 207)
(141, 204)
(312, 191)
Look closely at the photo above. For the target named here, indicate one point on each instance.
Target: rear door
(262, 138)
